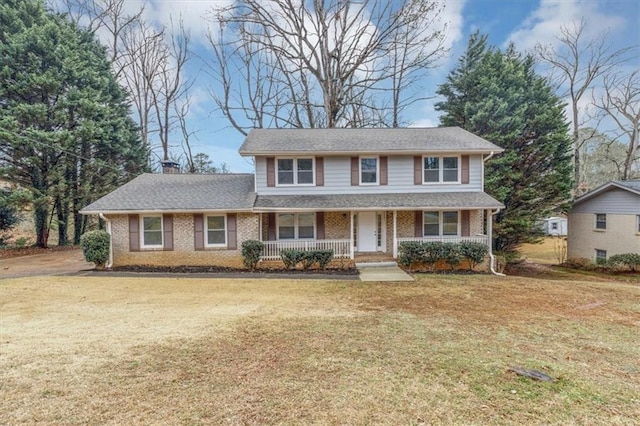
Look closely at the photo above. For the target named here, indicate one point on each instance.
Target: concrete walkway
(382, 271)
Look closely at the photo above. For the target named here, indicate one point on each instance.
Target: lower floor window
(296, 226)
(601, 256)
(152, 231)
(216, 230)
(436, 223)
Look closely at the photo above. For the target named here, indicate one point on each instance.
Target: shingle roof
(343, 141)
(179, 192)
(628, 185)
(452, 200)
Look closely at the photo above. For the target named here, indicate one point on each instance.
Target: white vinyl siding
(337, 179)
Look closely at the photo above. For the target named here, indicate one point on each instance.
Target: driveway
(54, 263)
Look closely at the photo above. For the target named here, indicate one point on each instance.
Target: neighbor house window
(151, 231)
(441, 170)
(369, 170)
(601, 221)
(638, 223)
(296, 226)
(601, 256)
(437, 223)
(216, 230)
(295, 171)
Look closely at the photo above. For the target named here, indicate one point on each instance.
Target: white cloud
(545, 22)
(452, 15)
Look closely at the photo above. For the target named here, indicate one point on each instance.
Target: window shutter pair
(384, 171)
(199, 231)
(418, 165)
(465, 223)
(271, 171)
(134, 232)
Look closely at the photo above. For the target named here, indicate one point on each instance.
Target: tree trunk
(41, 220)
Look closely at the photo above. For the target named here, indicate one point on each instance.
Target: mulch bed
(220, 269)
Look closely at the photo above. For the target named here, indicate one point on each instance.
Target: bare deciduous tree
(577, 65)
(620, 104)
(322, 63)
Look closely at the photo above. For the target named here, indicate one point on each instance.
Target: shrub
(410, 253)
(95, 247)
(474, 253)
(291, 257)
(451, 254)
(251, 252)
(630, 260)
(432, 253)
(579, 263)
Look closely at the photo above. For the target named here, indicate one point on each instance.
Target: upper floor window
(216, 230)
(296, 226)
(601, 221)
(369, 170)
(437, 223)
(295, 171)
(151, 232)
(441, 170)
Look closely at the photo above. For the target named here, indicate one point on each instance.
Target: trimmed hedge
(291, 258)
(429, 253)
(95, 247)
(251, 252)
(630, 260)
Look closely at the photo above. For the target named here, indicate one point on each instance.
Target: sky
(523, 22)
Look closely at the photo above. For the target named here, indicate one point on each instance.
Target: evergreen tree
(65, 129)
(498, 96)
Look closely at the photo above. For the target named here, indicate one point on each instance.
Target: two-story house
(353, 191)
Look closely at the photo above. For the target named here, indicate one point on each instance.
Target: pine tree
(64, 121)
(497, 95)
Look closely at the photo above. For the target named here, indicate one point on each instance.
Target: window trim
(206, 230)
(598, 228)
(295, 171)
(638, 224)
(441, 223)
(369, 157)
(441, 170)
(141, 226)
(296, 227)
(598, 258)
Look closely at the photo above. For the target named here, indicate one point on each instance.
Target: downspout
(490, 235)
(110, 262)
(487, 158)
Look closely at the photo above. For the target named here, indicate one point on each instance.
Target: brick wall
(337, 225)
(183, 252)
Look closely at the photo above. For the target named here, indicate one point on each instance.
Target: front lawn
(213, 351)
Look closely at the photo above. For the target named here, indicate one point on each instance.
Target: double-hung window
(601, 256)
(298, 226)
(601, 221)
(295, 171)
(441, 169)
(151, 232)
(369, 170)
(437, 223)
(216, 231)
(638, 223)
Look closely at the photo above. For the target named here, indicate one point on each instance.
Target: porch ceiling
(403, 201)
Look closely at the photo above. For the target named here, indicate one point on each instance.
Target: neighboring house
(605, 221)
(555, 226)
(350, 190)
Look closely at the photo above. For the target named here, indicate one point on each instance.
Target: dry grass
(547, 252)
(191, 351)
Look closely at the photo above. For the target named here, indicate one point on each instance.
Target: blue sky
(525, 22)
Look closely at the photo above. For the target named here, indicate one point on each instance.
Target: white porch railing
(341, 248)
(483, 239)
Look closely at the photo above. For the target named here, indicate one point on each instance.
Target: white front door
(367, 237)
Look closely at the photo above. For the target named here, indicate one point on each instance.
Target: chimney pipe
(170, 167)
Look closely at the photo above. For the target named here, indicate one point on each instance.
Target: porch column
(259, 226)
(351, 252)
(490, 231)
(395, 234)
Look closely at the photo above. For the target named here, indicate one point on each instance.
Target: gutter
(110, 261)
(485, 159)
(492, 258)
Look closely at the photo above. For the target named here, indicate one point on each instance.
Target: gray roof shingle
(179, 192)
(452, 200)
(377, 140)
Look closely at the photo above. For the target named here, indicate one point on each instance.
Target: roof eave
(604, 188)
(185, 211)
(377, 152)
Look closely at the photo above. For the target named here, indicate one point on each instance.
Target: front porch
(367, 234)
